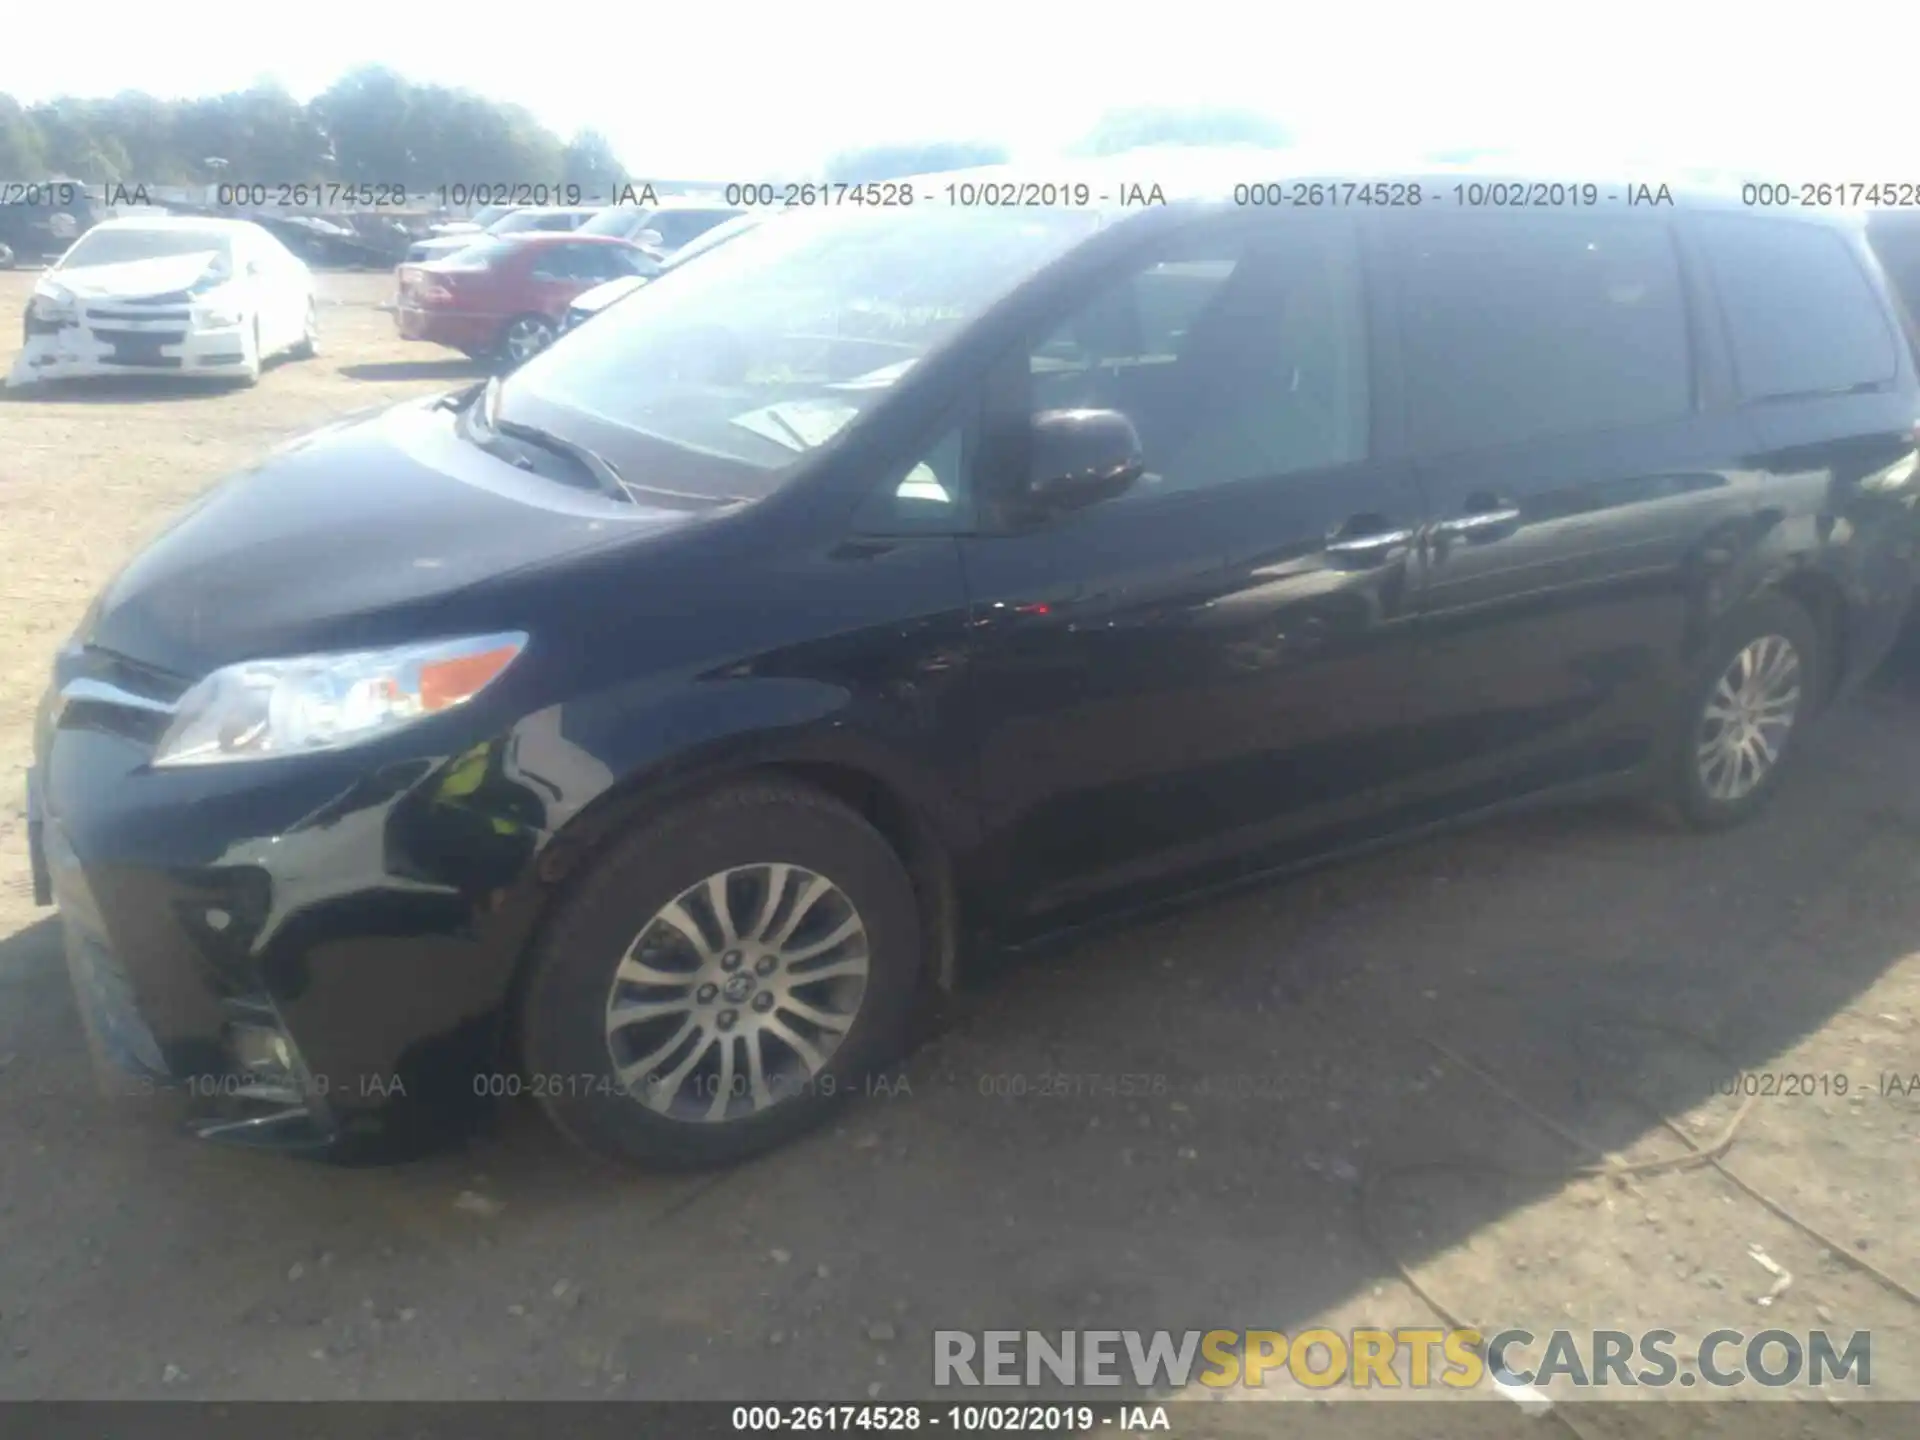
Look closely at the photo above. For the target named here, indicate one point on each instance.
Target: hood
(131, 279)
(355, 535)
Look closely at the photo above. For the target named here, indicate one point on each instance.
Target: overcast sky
(738, 91)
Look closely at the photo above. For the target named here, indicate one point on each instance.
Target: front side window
(1237, 356)
(1800, 314)
(579, 262)
(777, 341)
(1522, 328)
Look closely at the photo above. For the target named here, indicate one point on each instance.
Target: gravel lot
(1315, 1038)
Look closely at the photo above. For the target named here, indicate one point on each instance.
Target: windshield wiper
(459, 399)
(605, 477)
(799, 440)
(485, 417)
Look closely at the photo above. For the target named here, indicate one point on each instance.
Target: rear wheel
(524, 337)
(721, 978)
(1751, 696)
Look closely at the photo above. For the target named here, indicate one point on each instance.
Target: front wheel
(524, 337)
(1751, 696)
(722, 978)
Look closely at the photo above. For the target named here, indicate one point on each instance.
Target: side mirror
(1080, 457)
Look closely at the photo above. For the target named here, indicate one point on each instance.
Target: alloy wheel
(1749, 714)
(736, 994)
(526, 338)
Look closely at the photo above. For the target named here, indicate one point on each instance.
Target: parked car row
(220, 298)
(505, 293)
(888, 584)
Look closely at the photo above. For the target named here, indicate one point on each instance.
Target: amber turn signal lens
(444, 683)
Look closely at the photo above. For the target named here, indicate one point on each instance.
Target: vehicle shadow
(119, 390)
(451, 368)
(1241, 1116)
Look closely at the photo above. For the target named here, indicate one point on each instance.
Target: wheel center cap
(738, 988)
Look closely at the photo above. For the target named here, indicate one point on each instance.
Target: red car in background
(504, 297)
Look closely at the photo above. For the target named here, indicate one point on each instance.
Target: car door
(1567, 409)
(1205, 674)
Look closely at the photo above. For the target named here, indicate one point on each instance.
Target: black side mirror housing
(1078, 458)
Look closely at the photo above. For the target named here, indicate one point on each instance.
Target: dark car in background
(654, 723)
(593, 302)
(504, 296)
(525, 220)
(38, 226)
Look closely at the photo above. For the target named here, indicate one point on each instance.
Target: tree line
(375, 127)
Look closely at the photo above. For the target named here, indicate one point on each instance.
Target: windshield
(776, 342)
(617, 220)
(117, 247)
(491, 214)
(518, 221)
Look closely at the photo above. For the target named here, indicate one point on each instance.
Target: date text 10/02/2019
(950, 1419)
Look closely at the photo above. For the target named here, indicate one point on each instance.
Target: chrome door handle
(1467, 524)
(1362, 544)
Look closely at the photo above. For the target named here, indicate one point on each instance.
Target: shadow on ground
(453, 368)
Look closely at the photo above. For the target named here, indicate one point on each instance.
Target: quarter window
(1522, 329)
(1801, 316)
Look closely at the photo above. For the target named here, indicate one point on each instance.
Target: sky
(745, 91)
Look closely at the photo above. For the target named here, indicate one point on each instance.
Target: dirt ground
(1417, 1028)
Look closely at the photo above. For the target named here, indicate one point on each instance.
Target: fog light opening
(270, 1068)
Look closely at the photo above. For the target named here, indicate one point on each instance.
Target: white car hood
(130, 279)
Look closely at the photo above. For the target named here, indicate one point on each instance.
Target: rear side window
(1517, 329)
(1800, 313)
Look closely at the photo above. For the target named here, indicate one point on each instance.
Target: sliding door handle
(1472, 524)
(1370, 544)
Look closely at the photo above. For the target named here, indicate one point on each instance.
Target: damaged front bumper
(313, 955)
(109, 340)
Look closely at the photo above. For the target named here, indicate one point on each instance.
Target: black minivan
(644, 730)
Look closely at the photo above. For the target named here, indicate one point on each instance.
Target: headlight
(264, 708)
(50, 305)
(218, 315)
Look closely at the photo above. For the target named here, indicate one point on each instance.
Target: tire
(511, 350)
(308, 345)
(1783, 643)
(588, 1072)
